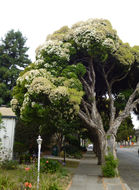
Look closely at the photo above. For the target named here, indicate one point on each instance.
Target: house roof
(7, 112)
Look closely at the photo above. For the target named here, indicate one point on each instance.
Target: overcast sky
(38, 18)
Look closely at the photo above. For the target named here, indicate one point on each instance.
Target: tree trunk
(110, 144)
(106, 144)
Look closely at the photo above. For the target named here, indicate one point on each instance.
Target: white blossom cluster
(14, 104)
(94, 30)
(40, 85)
(30, 75)
(25, 103)
(39, 82)
(58, 93)
(38, 62)
(55, 47)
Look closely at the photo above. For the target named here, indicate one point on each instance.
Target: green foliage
(125, 130)
(109, 169)
(124, 54)
(0, 121)
(54, 186)
(73, 151)
(6, 183)
(49, 166)
(16, 179)
(74, 71)
(13, 59)
(122, 98)
(25, 158)
(9, 164)
(19, 147)
(59, 34)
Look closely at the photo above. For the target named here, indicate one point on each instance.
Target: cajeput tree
(88, 56)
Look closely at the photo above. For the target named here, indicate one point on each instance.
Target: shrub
(48, 165)
(25, 158)
(9, 164)
(73, 151)
(54, 186)
(109, 169)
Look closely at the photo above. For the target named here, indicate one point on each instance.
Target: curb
(114, 183)
(69, 185)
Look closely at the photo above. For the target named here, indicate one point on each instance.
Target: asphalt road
(129, 166)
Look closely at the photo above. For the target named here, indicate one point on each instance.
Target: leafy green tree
(13, 59)
(125, 130)
(88, 56)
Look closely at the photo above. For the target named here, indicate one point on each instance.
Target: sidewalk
(88, 177)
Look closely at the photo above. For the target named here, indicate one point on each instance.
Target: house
(7, 132)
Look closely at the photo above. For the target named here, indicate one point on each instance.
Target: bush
(109, 169)
(73, 151)
(49, 166)
(25, 158)
(54, 186)
(9, 164)
(84, 149)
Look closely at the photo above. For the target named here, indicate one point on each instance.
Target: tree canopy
(87, 57)
(13, 59)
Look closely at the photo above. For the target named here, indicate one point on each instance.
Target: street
(129, 166)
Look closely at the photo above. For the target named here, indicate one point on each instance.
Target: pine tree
(13, 59)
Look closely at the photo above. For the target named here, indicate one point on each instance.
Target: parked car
(90, 147)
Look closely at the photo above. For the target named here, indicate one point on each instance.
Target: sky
(38, 18)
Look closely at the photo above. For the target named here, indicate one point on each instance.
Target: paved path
(88, 177)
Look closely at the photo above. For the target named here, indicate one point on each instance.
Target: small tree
(125, 130)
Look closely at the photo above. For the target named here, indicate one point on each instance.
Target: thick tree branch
(119, 78)
(92, 74)
(90, 123)
(112, 108)
(86, 108)
(90, 113)
(86, 86)
(84, 117)
(87, 104)
(134, 104)
(128, 108)
(112, 67)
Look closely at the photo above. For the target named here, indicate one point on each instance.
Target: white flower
(14, 104)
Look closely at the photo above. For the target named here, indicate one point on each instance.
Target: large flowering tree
(42, 97)
(91, 56)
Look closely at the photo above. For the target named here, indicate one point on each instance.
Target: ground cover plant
(109, 169)
(55, 177)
